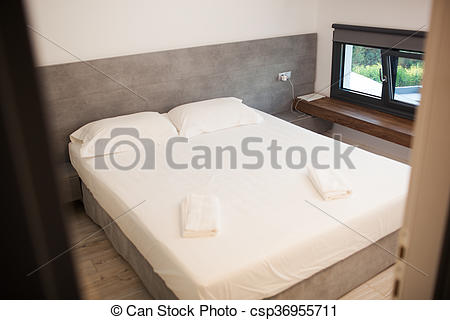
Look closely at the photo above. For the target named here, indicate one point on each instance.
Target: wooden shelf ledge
(375, 123)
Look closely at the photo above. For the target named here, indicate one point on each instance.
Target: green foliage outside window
(367, 62)
(365, 56)
(409, 76)
(370, 71)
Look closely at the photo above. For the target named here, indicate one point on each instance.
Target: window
(379, 76)
(406, 79)
(361, 70)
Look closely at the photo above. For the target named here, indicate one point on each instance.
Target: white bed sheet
(270, 237)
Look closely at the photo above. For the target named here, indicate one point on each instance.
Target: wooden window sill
(378, 124)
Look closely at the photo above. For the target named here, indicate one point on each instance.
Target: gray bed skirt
(330, 283)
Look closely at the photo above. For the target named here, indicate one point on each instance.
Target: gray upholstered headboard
(77, 94)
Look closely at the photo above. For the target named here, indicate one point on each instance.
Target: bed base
(330, 283)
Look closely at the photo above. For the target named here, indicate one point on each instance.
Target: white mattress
(270, 238)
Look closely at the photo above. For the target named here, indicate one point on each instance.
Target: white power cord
(286, 76)
(293, 95)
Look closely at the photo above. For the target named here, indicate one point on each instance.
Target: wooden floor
(103, 274)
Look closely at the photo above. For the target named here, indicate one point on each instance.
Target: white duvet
(270, 237)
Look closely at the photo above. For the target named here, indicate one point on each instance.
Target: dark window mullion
(341, 66)
(337, 67)
(387, 92)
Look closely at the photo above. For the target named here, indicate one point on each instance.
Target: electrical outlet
(282, 74)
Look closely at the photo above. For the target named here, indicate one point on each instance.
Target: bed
(275, 240)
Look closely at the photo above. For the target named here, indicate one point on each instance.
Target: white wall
(105, 28)
(400, 14)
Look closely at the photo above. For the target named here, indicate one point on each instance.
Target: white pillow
(211, 115)
(147, 125)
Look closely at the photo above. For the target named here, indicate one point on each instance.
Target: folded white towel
(200, 216)
(329, 183)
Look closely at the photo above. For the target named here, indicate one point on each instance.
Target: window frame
(391, 92)
(386, 103)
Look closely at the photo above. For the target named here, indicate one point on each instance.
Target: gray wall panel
(77, 94)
